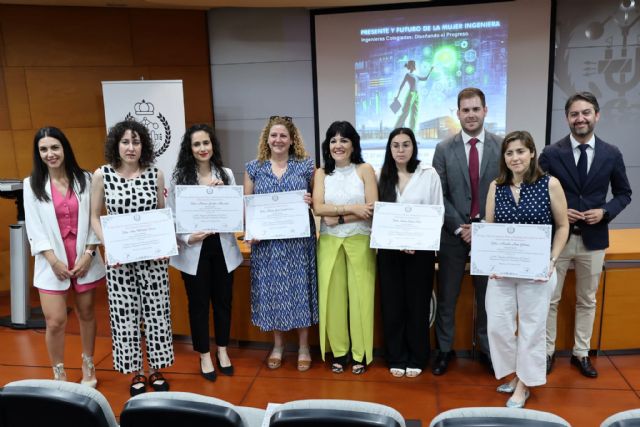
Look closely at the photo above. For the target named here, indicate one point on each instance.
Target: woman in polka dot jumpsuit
(138, 291)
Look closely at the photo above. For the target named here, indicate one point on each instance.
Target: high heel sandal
(88, 372)
(275, 358)
(58, 372)
(339, 363)
(358, 368)
(304, 359)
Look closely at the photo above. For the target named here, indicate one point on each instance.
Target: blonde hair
(297, 145)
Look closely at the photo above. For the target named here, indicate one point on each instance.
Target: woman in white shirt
(406, 277)
(57, 215)
(206, 259)
(343, 195)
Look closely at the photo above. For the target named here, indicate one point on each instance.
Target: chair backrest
(630, 418)
(497, 417)
(186, 409)
(37, 403)
(336, 413)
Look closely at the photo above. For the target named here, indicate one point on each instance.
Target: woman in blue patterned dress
(522, 194)
(284, 293)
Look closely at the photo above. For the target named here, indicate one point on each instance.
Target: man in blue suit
(586, 167)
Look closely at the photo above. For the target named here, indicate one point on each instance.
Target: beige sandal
(304, 359)
(275, 358)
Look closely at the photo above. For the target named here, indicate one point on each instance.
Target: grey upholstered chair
(630, 418)
(186, 409)
(336, 413)
(497, 417)
(38, 403)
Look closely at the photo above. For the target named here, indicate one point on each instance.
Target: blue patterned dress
(284, 290)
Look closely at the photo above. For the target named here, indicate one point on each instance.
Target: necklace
(517, 188)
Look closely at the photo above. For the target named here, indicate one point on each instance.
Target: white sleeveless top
(344, 187)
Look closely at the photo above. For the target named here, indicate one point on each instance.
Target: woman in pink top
(56, 202)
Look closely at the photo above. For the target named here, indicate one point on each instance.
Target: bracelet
(554, 259)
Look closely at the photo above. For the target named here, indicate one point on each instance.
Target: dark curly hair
(186, 170)
(346, 130)
(40, 173)
(112, 144)
(389, 171)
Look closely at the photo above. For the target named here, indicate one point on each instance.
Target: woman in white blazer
(57, 213)
(206, 259)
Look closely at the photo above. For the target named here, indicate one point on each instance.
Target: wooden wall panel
(88, 146)
(8, 167)
(169, 37)
(66, 36)
(23, 143)
(196, 84)
(17, 98)
(71, 99)
(621, 316)
(5, 120)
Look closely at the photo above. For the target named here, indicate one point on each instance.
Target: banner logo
(157, 125)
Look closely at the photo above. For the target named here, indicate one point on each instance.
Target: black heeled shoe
(224, 370)
(209, 376)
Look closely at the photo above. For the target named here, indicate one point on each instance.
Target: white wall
(260, 66)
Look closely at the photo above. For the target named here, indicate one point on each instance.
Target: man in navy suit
(586, 167)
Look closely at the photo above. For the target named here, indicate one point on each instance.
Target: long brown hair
(505, 177)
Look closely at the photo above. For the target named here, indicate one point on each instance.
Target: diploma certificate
(511, 250)
(139, 236)
(208, 208)
(406, 226)
(276, 216)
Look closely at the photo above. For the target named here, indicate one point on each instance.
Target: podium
(22, 316)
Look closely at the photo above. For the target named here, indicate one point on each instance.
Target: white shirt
(424, 187)
(591, 143)
(345, 187)
(479, 145)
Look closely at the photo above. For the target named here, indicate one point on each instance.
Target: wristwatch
(90, 252)
(340, 219)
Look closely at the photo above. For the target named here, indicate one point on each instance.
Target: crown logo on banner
(143, 108)
(157, 125)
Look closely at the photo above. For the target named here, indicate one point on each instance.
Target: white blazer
(189, 255)
(44, 234)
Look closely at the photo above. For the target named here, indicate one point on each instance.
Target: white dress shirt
(590, 151)
(479, 145)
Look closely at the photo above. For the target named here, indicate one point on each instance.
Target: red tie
(474, 177)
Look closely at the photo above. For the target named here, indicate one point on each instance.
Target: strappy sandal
(338, 364)
(358, 368)
(304, 359)
(134, 389)
(397, 372)
(275, 358)
(157, 382)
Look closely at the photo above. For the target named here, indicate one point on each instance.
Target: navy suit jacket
(606, 169)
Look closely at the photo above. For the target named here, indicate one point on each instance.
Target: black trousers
(211, 284)
(406, 283)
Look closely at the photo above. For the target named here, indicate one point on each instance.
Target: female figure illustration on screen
(412, 99)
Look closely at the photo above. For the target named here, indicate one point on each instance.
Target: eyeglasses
(286, 118)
